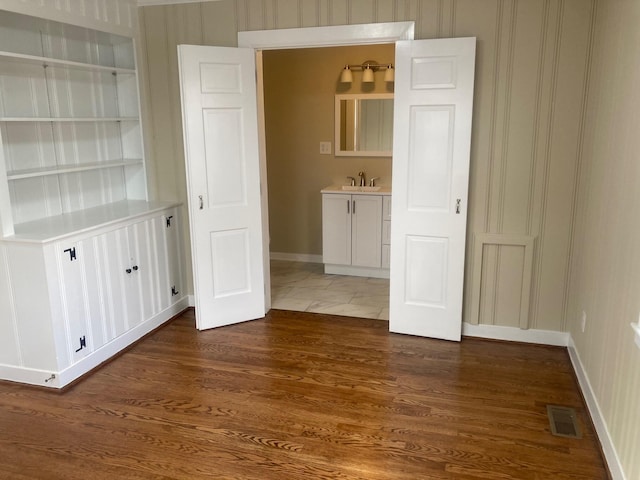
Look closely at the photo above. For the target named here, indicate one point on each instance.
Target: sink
(354, 188)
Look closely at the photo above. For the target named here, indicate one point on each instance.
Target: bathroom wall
(529, 102)
(300, 87)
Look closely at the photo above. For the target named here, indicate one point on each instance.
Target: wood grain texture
(300, 395)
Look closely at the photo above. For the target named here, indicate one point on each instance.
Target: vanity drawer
(386, 256)
(386, 207)
(386, 232)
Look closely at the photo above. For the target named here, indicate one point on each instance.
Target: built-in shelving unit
(88, 264)
(69, 120)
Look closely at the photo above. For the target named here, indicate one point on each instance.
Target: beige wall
(605, 273)
(554, 156)
(528, 109)
(300, 87)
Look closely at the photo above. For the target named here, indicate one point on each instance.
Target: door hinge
(458, 206)
(169, 220)
(174, 291)
(83, 343)
(72, 253)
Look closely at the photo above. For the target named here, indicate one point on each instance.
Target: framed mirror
(364, 125)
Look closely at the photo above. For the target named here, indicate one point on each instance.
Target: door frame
(331, 36)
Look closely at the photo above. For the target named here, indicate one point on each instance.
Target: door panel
(431, 159)
(432, 137)
(225, 164)
(220, 124)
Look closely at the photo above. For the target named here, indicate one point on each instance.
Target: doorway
(299, 88)
(348, 35)
(223, 118)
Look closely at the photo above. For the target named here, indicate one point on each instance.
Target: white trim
(354, 271)
(331, 36)
(102, 354)
(191, 301)
(610, 454)
(31, 376)
(514, 334)
(296, 257)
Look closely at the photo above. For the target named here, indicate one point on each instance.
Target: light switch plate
(325, 148)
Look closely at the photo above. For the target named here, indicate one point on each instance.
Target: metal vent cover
(563, 421)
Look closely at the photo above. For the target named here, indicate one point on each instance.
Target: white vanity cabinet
(352, 232)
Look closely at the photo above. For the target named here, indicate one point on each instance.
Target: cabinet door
(336, 229)
(366, 231)
(148, 264)
(114, 263)
(173, 248)
(72, 297)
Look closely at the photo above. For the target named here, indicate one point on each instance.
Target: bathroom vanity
(356, 227)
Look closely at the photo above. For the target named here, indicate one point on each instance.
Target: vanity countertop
(357, 190)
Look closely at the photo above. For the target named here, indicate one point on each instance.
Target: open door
(431, 147)
(220, 125)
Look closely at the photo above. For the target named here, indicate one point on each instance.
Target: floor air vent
(563, 421)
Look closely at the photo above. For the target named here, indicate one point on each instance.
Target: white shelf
(60, 169)
(33, 59)
(55, 228)
(69, 119)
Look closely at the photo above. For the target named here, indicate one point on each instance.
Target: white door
(220, 123)
(431, 144)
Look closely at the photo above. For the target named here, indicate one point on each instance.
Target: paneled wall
(115, 16)
(528, 120)
(605, 272)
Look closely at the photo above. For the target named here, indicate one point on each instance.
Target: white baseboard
(191, 300)
(296, 257)
(356, 271)
(610, 454)
(515, 334)
(44, 378)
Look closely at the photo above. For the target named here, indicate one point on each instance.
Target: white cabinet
(87, 264)
(352, 234)
(78, 300)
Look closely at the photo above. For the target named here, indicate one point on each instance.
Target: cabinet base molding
(49, 379)
(356, 271)
(515, 334)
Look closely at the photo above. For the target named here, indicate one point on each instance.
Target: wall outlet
(325, 148)
(583, 321)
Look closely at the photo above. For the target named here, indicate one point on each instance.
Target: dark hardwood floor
(302, 396)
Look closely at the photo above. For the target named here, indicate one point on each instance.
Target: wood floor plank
(303, 396)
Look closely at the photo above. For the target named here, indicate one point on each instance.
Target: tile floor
(304, 287)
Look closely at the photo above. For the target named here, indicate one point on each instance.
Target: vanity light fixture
(368, 68)
(346, 76)
(367, 74)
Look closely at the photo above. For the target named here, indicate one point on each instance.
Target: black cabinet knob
(128, 270)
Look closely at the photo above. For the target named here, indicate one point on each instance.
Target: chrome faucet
(363, 182)
(352, 181)
(372, 181)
